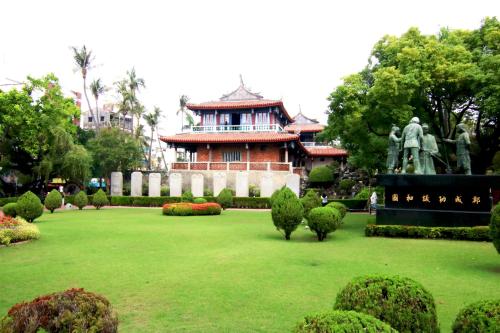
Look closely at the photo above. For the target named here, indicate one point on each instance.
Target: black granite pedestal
(437, 200)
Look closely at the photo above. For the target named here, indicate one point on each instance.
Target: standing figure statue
(412, 142)
(429, 149)
(463, 145)
(393, 150)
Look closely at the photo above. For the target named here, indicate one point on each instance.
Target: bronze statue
(412, 142)
(393, 150)
(429, 149)
(463, 145)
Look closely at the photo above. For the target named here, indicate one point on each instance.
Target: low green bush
(14, 230)
(342, 321)
(6, 200)
(208, 193)
(199, 200)
(398, 301)
(165, 191)
(73, 310)
(323, 220)
(10, 209)
(29, 206)
(366, 193)
(480, 233)
(321, 175)
(495, 227)
(247, 202)
(309, 201)
(253, 191)
(81, 200)
(340, 207)
(479, 317)
(352, 204)
(345, 185)
(189, 209)
(100, 199)
(225, 198)
(53, 200)
(287, 212)
(187, 196)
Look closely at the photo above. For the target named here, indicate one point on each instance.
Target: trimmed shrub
(494, 227)
(346, 185)
(225, 198)
(321, 175)
(165, 191)
(29, 206)
(189, 209)
(14, 230)
(53, 200)
(340, 207)
(80, 200)
(342, 321)
(309, 201)
(287, 212)
(73, 310)
(199, 200)
(479, 317)
(6, 200)
(352, 204)
(10, 209)
(365, 193)
(187, 196)
(100, 199)
(274, 195)
(208, 193)
(323, 220)
(480, 233)
(248, 202)
(398, 301)
(253, 191)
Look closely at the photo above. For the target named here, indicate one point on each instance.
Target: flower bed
(188, 209)
(16, 230)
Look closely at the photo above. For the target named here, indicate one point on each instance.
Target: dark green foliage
(53, 200)
(342, 321)
(165, 191)
(309, 201)
(80, 200)
(398, 301)
(100, 199)
(190, 209)
(479, 317)
(352, 204)
(187, 196)
(495, 227)
(340, 207)
(200, 200)
(10, 209)
(366, 192)
(29, 206)
(346, 185)
(481, 233)
(4, 201)
(256, 203)
(274, 195)
(323, 220)
(73, 310)
(321, 175)
(287, 212)
(208, 193)
(225, 198)
(253, 191)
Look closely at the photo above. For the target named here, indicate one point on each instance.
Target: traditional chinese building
(243, 131)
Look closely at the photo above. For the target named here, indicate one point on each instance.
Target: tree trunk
(150, 147)
(287, 235)
(87, 99)
(161, 149)
(97, 115)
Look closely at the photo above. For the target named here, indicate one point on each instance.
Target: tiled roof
(325, 151)
(230, 137)
(243, 104)
(293, 128)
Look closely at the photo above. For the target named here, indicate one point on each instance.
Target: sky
(297, 51)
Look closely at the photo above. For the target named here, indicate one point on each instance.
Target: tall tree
(134, 84)
(183, 111)
(126, 102)
(152, 119)
(83, 59)
(97, 89)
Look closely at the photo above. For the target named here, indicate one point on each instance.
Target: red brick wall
(270, 154)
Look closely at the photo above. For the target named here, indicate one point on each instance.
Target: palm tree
(184, 112)
(134, 83)
(127, 100)
(152, 119)
(97, 89)
(83, 58)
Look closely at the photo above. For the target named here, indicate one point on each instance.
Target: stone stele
(116, 183)
(197, 185)
(266, 185)
(293, 183)
(220, 182)
(242, 184)
(175, 184)
(154, 185)
(136, 184)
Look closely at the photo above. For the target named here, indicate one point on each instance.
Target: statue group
(420, 147)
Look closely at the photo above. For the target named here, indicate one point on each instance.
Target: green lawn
(229, 273)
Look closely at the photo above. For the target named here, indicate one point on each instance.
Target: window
(208, 119)
(102, 118)
(246, 119)
(262, 118)
(231, 156)
(90, 119)
(225, 119)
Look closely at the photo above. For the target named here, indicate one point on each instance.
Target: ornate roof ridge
(242, 93)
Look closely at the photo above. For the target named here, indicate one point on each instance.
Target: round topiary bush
(321, 175)
(73, 310)
(10, 209)
(287, 212)
(81, 200)
(199, 200)
(187, 196)
(100, 199)
(342, 321)
(309, 201)
(274, 195)
(29, 206)
(225, 198)
(494, 227)
(479, 317)
(340, 207)
(398, 301)
(53, 200)
(323, 220)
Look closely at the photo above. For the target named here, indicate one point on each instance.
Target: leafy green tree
(97, 89)
(76, 164)
(184, 112)
(152, 119)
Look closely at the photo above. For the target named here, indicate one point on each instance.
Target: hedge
(190, 209)
(6, 200)
(480, 233)
(352, 204)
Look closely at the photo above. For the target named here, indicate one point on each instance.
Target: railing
(316, 144)
(233, 166)
(237, 128)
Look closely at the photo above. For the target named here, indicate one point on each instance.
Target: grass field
(229, 273)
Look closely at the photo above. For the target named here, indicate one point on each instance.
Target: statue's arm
(434, 148)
